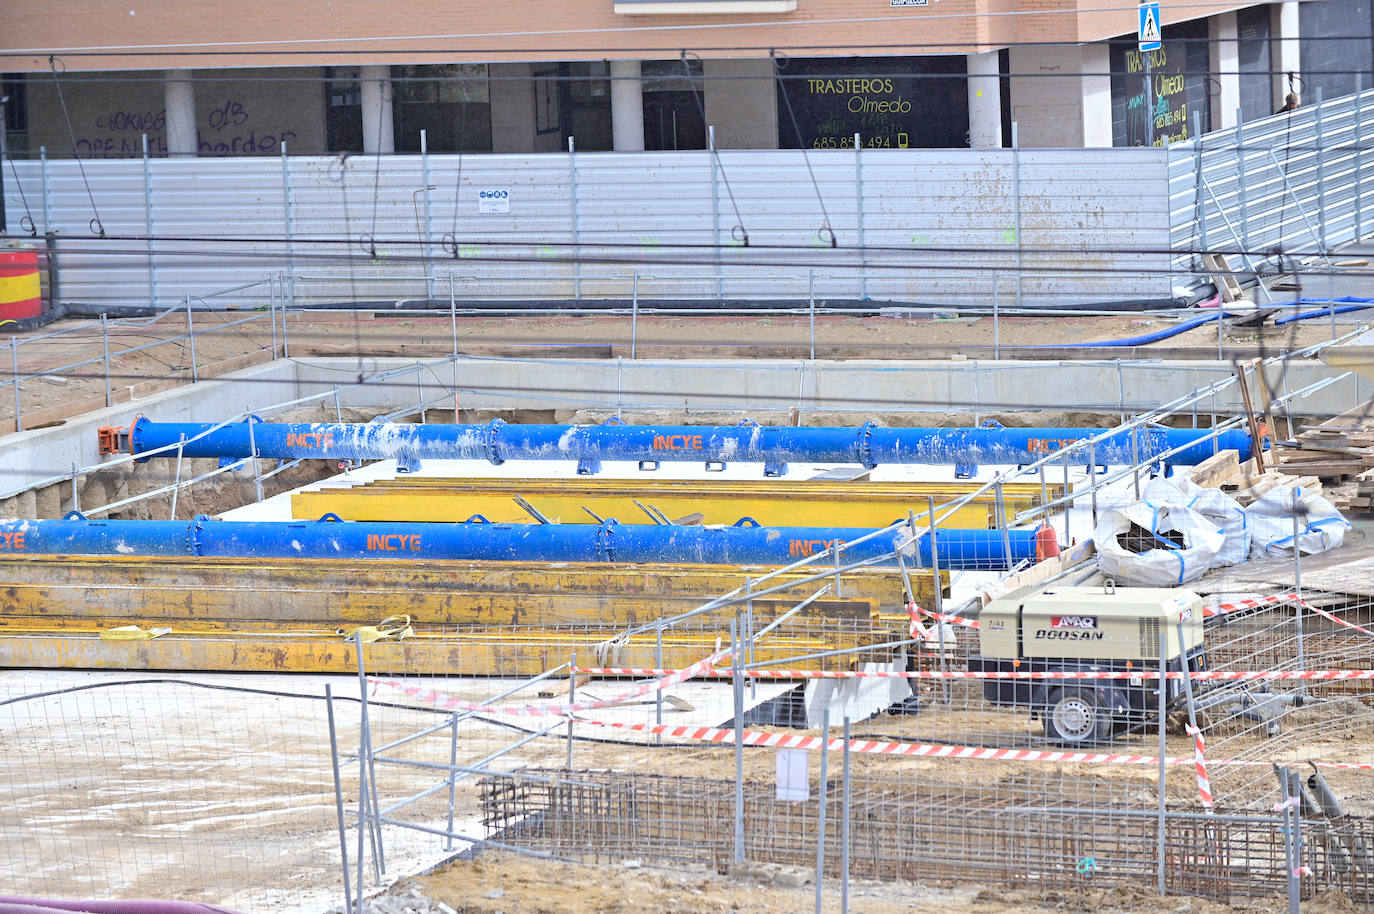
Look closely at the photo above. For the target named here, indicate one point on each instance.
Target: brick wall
(219, 33)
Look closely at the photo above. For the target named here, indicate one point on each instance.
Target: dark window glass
(673, 105)
(16, 124)
(343, 110)
(450, 102)
(1256, 89)
(584, 105)
(1334, 48)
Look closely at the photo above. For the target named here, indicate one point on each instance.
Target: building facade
(317, 77)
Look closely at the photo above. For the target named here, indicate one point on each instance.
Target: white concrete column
(379, 135)
(984, 101)
(627, 106)
(1283, 30)
(1224, 62)
(180, 100)
(1095, 84)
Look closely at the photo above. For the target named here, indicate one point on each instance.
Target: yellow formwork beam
(51, 590)
(466, 654)
(779, 503)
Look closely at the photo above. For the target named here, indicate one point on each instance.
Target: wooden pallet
(1337, 449)
(1243, 481)
(1361, 501)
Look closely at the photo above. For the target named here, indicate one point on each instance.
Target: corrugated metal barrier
(1289, 183)
(959, 227)
(1037, 228)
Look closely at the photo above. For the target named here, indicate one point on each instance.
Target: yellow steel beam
(467, 654)
(328, 592)
(782, 503)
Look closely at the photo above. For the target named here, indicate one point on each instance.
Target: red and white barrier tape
(942, 617)
(1215, 609)
(1220, 609)
(797, 741)
(917, 631)
(1337, 619)
(1221, 675)
(1204, 784)
(441, 700)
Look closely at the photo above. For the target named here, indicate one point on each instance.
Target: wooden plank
(1256, 438)
(1325, 469)
(1216, 470)
(1223, 276)
(1260, 486)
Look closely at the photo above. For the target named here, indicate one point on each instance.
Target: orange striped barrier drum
(20, 294)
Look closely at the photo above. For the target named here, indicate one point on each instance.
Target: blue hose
(1142, 340)
(1351, 303)
(1356, 304)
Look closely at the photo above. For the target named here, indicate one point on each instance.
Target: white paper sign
(493, 200)
(794, 785)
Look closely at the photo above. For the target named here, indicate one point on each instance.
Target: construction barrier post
(1163, 748)
(452, 779)
(572, 699)
(737, 688)
(820, 808)
(1300, 603)
(338, 795)
(14, 358)
(105, 346)
(844, 826)
(368, 816)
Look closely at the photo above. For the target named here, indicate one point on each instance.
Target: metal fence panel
(1274, 191)
(930, 226)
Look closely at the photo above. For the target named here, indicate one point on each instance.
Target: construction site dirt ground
(226, 340)
(163, 783)
(513, 884)
(533, 885)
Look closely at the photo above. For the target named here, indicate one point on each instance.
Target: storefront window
(891, 102)
(343, 110)
(673, 104)
(16, 125)
(1175, 103)
(450, 102)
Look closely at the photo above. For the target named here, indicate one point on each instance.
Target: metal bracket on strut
(580, 442)
(605, 545)
(492, 443)
(863, 445)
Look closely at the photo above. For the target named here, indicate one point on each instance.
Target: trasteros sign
(892, 103)
(1159, 96)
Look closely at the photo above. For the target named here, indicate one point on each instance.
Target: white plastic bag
(1216, 506)
(1320, 525)
(1167, 565)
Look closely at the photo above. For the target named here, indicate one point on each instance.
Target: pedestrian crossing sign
(1149, 27)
